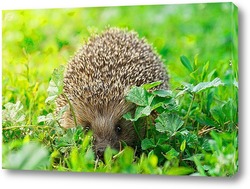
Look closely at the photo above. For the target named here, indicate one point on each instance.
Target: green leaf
(199, 166)
(32, 156)
(188, 87)
(56, 84)
(195, 74)
(161, 128)
(157, 105)
(147, 144)
(163, 102)
(163, 93)
(196, 60)
(89, 155)
(153, 160)
(126, 157)
(53, 92)
(218, 115)
(139, 96)
(225, 112)
(13, 113)
(230, 110)
(108, 154)
(49, 118)
(204, 85)
(171, 154)
(204, 120)
(186, 63)
(142, 112)
(74, 159)
(204, 70)
(139, 112)
(210, 98)
(192, 140)
(128, 116)
(205, 145)
(148, 86)
(180, 171)
(62, 111)
(183, 145)
(167, 122)
(211, 74)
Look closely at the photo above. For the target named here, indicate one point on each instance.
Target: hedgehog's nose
(100, 152)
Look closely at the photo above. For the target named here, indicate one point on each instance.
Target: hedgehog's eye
(87, 127)
(118, 129)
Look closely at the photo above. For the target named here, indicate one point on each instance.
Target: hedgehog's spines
(99, 74)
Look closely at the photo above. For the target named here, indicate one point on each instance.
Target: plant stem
(23, 126)
(71, 108)
(174, 139)
(197, 129)
(137, 132)
(189, 109)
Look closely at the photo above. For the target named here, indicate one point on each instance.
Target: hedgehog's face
(107, 132)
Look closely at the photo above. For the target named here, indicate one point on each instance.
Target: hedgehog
(97, 79)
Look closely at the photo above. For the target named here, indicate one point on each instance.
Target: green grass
(195, 131)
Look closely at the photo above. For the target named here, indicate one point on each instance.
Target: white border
(43, 179)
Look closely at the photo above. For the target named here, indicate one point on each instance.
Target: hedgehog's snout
(100, 148)
(100, 151)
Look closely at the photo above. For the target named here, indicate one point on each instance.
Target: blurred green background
(37, 41)
(44, 39)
